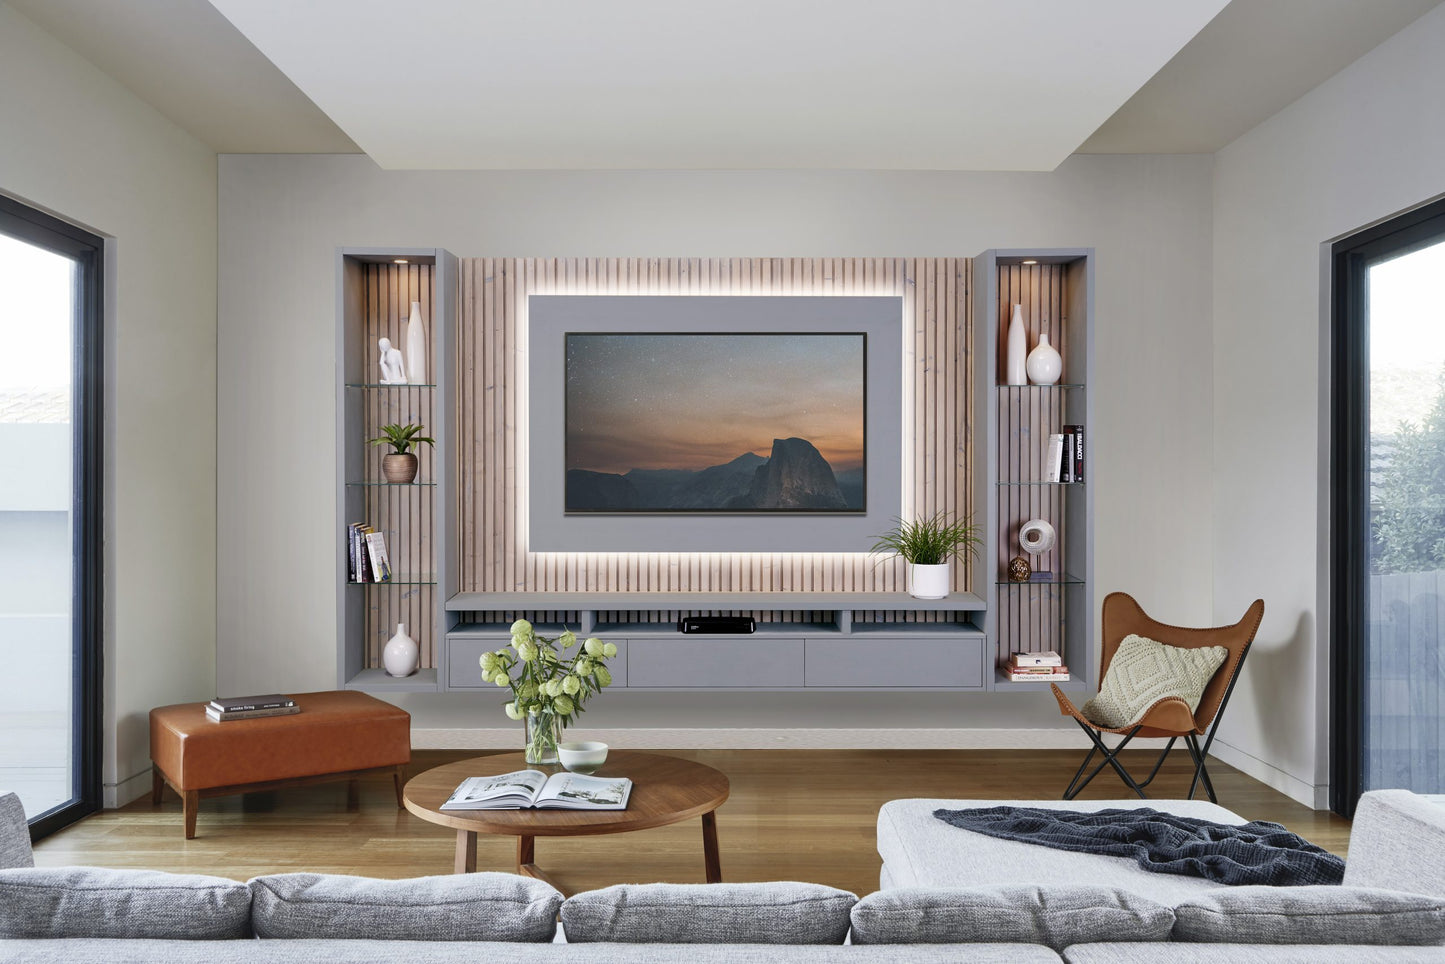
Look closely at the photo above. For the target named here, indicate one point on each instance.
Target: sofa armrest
(14, 834)
(1397, 842)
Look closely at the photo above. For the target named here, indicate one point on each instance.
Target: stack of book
(1045, 667)
(1064, 460)
(221, 709)
(366, 554)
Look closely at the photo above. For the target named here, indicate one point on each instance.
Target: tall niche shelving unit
(1055, 288)
(375, 290)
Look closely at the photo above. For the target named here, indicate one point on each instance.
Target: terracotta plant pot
(399, 468)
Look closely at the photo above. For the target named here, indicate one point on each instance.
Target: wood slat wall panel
(492, 417)
(1029, 619)
(404, 514)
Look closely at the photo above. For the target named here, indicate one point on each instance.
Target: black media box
(735, 625)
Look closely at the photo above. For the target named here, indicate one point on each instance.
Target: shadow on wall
(1277, 685)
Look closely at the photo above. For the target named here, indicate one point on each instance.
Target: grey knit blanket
(1258, 852)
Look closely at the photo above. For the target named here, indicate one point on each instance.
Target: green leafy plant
(402, 437)
(550, 687)
(931, 541)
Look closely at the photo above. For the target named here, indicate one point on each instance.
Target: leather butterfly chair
(1170, 716)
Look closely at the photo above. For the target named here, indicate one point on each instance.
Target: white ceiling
(188, 61)
(857, 84)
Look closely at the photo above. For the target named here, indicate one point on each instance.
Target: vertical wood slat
(937, 478)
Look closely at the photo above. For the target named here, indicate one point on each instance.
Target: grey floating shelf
(898, 601)
(377, 681)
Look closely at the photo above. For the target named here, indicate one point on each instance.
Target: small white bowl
(582, 756)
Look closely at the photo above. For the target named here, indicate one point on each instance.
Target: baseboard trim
(1316, 797)
(113, 795)
(672, 738)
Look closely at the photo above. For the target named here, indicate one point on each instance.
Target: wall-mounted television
(698, 423)
(705, 422)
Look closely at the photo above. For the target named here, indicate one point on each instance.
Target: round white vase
(1044, 364)
(401, 655)
(929, 582)
(416, 346)
(1015, 365)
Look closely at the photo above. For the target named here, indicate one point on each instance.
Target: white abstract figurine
(392, 370)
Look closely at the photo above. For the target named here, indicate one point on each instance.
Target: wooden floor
(793, 815)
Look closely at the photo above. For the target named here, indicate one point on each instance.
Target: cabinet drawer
(746, 661)
(464, 673)
(896, 661)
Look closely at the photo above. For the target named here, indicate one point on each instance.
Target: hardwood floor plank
(793, 815)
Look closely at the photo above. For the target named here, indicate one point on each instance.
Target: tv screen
(711, 422)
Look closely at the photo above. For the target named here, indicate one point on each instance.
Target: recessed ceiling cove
(1008, 85)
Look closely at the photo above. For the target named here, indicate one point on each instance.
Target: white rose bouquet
(548, 686)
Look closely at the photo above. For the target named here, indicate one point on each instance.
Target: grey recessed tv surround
(693, 423)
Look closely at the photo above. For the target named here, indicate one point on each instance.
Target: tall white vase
(1044, 364)
(1015, 372)
(401, 655)
(416, 346)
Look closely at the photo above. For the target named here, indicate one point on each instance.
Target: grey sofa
(949, 896)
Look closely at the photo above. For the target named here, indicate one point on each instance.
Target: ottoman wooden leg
(398, 780)
(158, 784)
(353, 796)
(190, 803)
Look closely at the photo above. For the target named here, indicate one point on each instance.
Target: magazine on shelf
(522, 789)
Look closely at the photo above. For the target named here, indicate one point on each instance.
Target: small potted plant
(399, 465)
(928, 546)
(548, 688)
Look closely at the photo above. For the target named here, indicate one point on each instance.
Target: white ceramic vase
(416, 346)
(1015, 364)
(1044, 364)
(401, 655)
(929, 582)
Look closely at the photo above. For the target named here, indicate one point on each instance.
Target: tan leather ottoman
(337, 736)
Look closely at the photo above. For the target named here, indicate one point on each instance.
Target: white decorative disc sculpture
(393, 370)
(1036, 537)
(416, 346)
(1044, 364)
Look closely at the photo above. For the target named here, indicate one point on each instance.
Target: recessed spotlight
(401, 261)
(1029, 261)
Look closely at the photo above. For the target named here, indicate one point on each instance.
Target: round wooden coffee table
(665, 790)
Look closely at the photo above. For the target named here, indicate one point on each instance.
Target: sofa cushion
(1145, 671)
(14, 834)
(100, 902)
(768, 913)
(1311, 915)
(1055, 916)
(1397, 841)
(920, 850)
(1176, 953)
(464, 952)
(461, 907)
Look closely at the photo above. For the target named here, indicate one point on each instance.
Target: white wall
(1367, 143)
(82, 146)
(281, 218)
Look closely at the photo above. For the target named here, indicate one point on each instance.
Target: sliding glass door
(50, 511)
(1388, 664)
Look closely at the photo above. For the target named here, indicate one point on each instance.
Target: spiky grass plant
(403, 437)
(929, 542)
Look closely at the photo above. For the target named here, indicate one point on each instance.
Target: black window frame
(87, 250)
(1351, 259)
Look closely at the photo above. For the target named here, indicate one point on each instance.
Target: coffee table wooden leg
(466, 862)
(709, 847)
(527, 861)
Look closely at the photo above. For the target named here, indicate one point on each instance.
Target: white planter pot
(929, 582)
(401, 655)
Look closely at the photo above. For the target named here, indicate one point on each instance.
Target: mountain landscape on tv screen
(793, 478)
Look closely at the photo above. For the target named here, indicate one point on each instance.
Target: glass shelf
(381, 385)
(392, 485)
(1001, 482)
(421, 579)
(1064, 580)
(1020, 388)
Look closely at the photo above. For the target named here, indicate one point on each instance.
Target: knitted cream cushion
(1145, 671)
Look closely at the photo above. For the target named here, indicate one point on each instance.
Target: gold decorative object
(1019, 569)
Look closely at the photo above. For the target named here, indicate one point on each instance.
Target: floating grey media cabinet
(805, 641)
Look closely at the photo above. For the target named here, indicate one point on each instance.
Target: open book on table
(533, 788)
